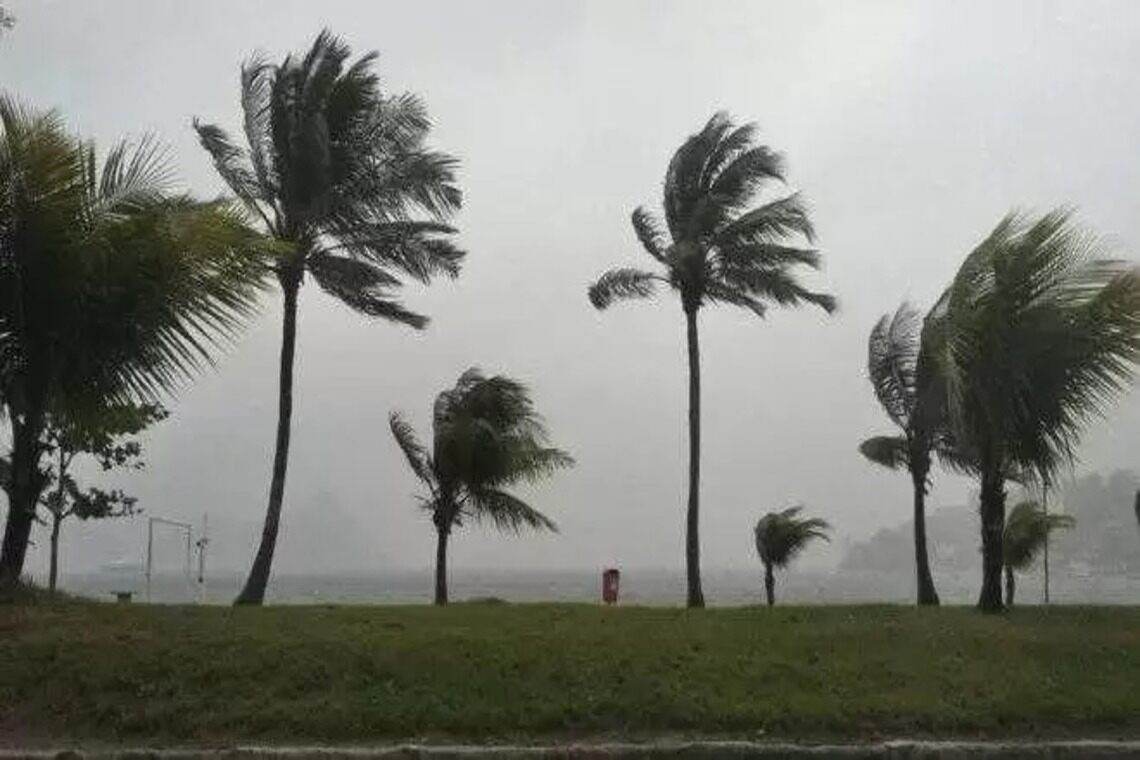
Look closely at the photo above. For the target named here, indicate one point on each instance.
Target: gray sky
(912, 127)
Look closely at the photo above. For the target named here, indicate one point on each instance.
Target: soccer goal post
(182, 527)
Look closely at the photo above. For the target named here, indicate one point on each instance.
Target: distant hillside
(1105, 540)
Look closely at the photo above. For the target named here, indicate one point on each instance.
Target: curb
(696, 750)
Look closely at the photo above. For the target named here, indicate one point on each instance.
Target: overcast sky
(911, 127)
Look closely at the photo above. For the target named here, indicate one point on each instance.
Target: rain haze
(912, 128)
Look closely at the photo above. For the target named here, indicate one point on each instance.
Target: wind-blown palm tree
(1027, 530)
(486, 437)
(113, 289)
(1034, 337)
(717, 249)
(781, 537)
(908, 391)
(339, 176)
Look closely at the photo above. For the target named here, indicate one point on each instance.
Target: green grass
(481, 671)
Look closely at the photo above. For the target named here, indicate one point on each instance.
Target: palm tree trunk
(1009, 586)
(692, 526)
(927, 595)
(254, 590)
(23, 495)
(769, 585)
(1045, 556)
(53, 572)
(993, 525)
(442, 534)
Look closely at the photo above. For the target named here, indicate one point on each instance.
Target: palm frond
(533, 462)
(781, 536)
(648, 233)
(685, 178)
(717, 292)
(1027, 529)
(362, 287)
(776, 286)
(892, 363)
(257, 77)
(507, 512)
(622, 284)
(420, 249)
(487, 434)
(751, 256)
(717, 251)
(769, 223)
(1034, 337)
(891, 451)
(233, 166)
(114, 289)
(413, 450)
(747, 173)
(134, 175)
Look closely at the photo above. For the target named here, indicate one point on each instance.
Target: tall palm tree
(486, 437)
(1034, 336)
(113, 289)
(781, 537)
(1027, 529)
(907, 390)
(339, 176)
(717, 249)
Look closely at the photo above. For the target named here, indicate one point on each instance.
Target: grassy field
(494, 671)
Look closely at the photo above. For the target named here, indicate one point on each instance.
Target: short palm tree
(1034, 336)
(717, 248)
(908, 391)
(338, 175)
(113, 288)
(486, 437)
(1027, 530)
(781, 537)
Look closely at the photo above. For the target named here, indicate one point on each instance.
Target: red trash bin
(611, 577)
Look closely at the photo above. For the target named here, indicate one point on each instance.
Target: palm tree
(781, 537)
(486, 437)
(1027, 530)
(338, 175)
(908, 391)
(112, 289)
(717, 250)
(1034, 337)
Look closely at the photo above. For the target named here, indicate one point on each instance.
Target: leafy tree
(338, 175)
(7, 20)
(909, 392)
(717, 248)
(113, 289)
(1027, 530)
(781, 537)
(1034, 336)
(109, 437)
(486, 437)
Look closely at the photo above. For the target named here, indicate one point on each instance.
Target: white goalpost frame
(150, 523)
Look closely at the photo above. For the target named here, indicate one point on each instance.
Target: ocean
(638, 586)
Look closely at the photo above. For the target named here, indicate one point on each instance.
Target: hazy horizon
(912, 128)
